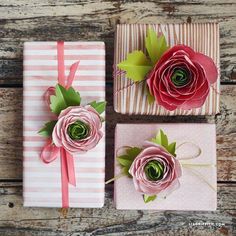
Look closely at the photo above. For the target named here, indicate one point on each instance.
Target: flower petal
(208, 65)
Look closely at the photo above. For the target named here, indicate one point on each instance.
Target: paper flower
(182, 78)
(155, 170)
(78, 129)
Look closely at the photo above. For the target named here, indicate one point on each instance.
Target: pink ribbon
(50, 152)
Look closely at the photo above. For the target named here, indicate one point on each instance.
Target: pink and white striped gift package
(42, 182)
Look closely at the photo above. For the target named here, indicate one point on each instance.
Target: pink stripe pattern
(40, 72)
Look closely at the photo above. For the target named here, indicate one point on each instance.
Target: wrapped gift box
(196, 190)
(42, 182)
(130, 97)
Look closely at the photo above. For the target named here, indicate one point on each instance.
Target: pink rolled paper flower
(155, 171)
(78, 129)
(182, 78)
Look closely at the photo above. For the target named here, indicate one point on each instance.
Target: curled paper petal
(172, 187)
(209, 66)
(78, 130)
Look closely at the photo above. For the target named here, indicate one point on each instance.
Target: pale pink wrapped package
(198, 182)
(42, 182)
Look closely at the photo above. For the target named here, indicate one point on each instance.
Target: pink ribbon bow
(50, 152)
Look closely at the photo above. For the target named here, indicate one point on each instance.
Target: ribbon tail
(71, 76)
(64, 179)
(70, 169)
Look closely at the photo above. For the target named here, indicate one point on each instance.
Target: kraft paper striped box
(42, 182)
(130, 97)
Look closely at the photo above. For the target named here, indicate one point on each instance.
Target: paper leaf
(150, 98)
(133, 152)
(63, 99)
(161, 139)
(98, 106)
(148, 198)
(127, 159)
(46, 131)
(136, 66)
(124, 160)
(171, 148)
(155, 45)
(125, 171)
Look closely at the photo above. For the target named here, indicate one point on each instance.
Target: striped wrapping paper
(42, 182)
(130, 97)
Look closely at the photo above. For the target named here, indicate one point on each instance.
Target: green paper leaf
(155, 45)
(148, 198)
(150, 98)
(46, 131)
(136, 66)
(133, 152)
(127, 159)
(172, 148)
(161, 139)
(98, 106)
(125, 171)
(63, 99)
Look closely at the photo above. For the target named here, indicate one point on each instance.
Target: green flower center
(78, 130)
(154, 170)
(180, 77)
